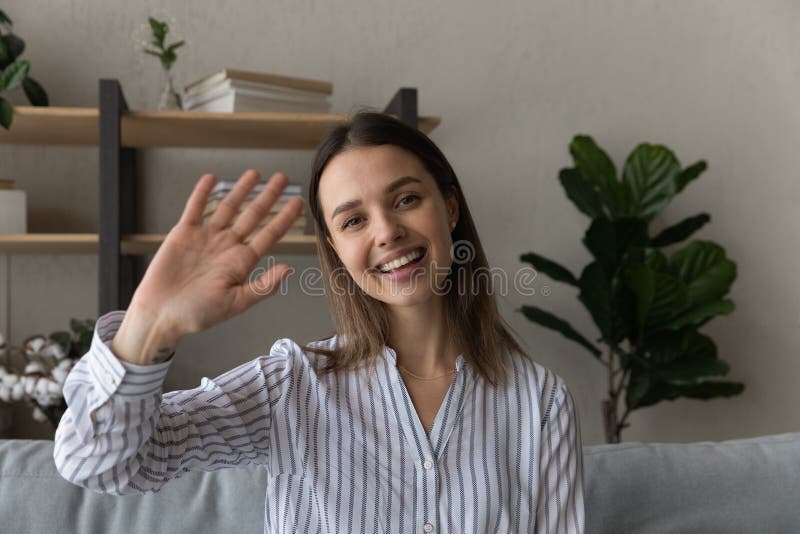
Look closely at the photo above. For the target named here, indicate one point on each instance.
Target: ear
(452, 209)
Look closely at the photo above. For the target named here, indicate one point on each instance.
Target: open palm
(200, 275)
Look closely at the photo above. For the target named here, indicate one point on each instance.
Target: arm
(120, 435)
(560, 505)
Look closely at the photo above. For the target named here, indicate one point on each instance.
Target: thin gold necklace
(422, 377)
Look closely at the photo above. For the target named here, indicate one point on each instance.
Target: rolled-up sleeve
(560, 506)
(120, 434)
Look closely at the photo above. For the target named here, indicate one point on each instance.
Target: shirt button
(427, 527)
(428, 464)
(110, 378)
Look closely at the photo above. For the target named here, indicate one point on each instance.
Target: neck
(419, 337)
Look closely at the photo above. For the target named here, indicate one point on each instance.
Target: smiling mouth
(418, 253)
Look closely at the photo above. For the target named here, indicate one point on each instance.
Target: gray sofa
(750, 486)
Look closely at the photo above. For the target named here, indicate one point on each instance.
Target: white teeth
(399, 262)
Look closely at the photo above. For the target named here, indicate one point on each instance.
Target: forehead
(362, 171)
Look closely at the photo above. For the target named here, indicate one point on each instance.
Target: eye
(407, 197)
(346, 224)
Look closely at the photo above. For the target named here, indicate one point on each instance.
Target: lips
(398, 254)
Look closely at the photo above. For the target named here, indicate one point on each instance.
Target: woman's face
(389, 223)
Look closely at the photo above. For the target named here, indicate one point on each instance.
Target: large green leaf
(598, 169)
(656, 260)
(610, 241)
(548, 320)
(671, 297)
(700, 314)
(6, 113)
(642, 282)
(639, 385)
(690, 173)
(649, 178)
(15, 46)
(4, 20)
(703, 267)
(550, 268)
(711, 389)
(3, 52)
(13, 75)
(680, 231)
(35, 93)
(599, 296)
(581, 192)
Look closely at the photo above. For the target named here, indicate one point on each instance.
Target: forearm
(143, 338)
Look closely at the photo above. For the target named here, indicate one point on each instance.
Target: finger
(261, 206)
(264, 286)
(193, 212)
(276, 228)
(229, 206)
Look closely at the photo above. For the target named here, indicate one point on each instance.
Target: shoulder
(550, 389)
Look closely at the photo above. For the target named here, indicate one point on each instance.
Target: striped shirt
(342, 454)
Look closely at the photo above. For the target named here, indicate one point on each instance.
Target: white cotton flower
(66, 363)
(5, 393)
(28, 385)
(33, 346)
(9, 379)
(53, 388)
(41, 387)
(3, 371)
(35, 367)
(38, 415)
(17, 392)
(59, 374)
(55, 350)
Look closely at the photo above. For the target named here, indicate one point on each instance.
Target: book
(276, 80)
(241, 101)
(225, 186)
(268, 91)
(6, 184)
(212, 205)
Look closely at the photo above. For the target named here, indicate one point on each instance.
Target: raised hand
(200, 275)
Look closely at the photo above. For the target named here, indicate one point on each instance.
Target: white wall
(513, 83)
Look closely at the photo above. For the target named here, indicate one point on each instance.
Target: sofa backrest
(750, 485)
(747, 486)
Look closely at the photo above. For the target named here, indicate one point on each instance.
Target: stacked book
(232, 90)
(223, 187)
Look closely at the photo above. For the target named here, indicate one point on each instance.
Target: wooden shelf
(134, 244)
(148, 129)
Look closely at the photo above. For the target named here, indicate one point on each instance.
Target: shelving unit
(119, 132)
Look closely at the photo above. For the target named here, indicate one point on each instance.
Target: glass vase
(170, 99)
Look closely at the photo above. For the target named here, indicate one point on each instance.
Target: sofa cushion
(35, 498)
(749, 485)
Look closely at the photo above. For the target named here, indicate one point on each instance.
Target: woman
(422, 414)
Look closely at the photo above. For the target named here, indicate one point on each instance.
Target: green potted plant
(170, 99)
(648, 305)
(14, 72)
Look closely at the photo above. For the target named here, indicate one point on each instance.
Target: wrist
(144, 337)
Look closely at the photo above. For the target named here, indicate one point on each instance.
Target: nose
(387, 229)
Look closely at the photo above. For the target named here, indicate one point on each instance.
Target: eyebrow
(394, 186)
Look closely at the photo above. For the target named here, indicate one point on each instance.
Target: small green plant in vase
(170, 99)
(648, 306)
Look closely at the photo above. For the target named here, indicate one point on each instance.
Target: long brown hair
(360, 321)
